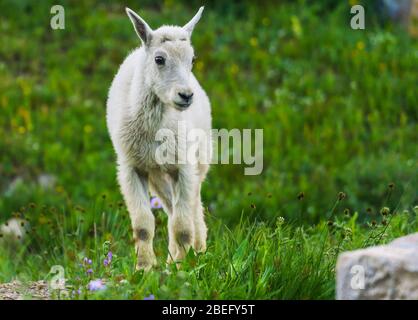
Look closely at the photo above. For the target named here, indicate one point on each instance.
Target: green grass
(252, 260)
(339, 113)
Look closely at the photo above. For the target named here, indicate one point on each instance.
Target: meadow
(339, 112)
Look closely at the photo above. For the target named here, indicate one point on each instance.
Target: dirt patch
(16, 290)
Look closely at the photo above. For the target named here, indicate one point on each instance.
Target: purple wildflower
(89, 261)
(74, 293)
(150, 297)
(89, 271)
(156, 203)
(108, 260)
(96, 285)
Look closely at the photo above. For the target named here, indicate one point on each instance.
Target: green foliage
(338, 108)
(252, 260)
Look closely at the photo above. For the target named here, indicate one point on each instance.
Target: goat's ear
(189, 26)
(141, 27)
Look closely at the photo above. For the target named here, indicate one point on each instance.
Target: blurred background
(338, 106)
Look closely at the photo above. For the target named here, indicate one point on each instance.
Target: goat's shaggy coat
(155, 89)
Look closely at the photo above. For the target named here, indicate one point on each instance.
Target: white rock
(13, 231)
(382, 272)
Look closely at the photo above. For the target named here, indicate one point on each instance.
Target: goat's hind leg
(134, 187)
(162, 186)
(198, 213)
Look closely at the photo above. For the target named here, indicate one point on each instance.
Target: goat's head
(169, 58)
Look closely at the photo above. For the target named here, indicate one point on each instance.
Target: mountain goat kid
(155, 91)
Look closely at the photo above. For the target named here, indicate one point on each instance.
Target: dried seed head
(347, 211)
(391, 186)
(369, 210)
(374, 223)
(301, 195)
(330, 223)
(341, 196)
(384, 211)
(252, 206)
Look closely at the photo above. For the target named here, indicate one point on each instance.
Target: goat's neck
(147, 112)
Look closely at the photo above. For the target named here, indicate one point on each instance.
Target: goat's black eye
(159, 60)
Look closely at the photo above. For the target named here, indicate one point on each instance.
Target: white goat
(156, 89)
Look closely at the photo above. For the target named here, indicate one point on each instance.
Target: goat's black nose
(186, 96)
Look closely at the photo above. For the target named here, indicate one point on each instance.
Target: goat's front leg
(134, 187)
(180, 224)
(199, 217)
(199, 223)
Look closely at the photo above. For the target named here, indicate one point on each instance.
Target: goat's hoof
(199, 247)
(144, 267)
(171, 261)
(146, 264)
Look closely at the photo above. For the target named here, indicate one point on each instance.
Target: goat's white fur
(142, 99)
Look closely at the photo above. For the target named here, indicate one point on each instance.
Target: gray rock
(15, 290)
(382, 272)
